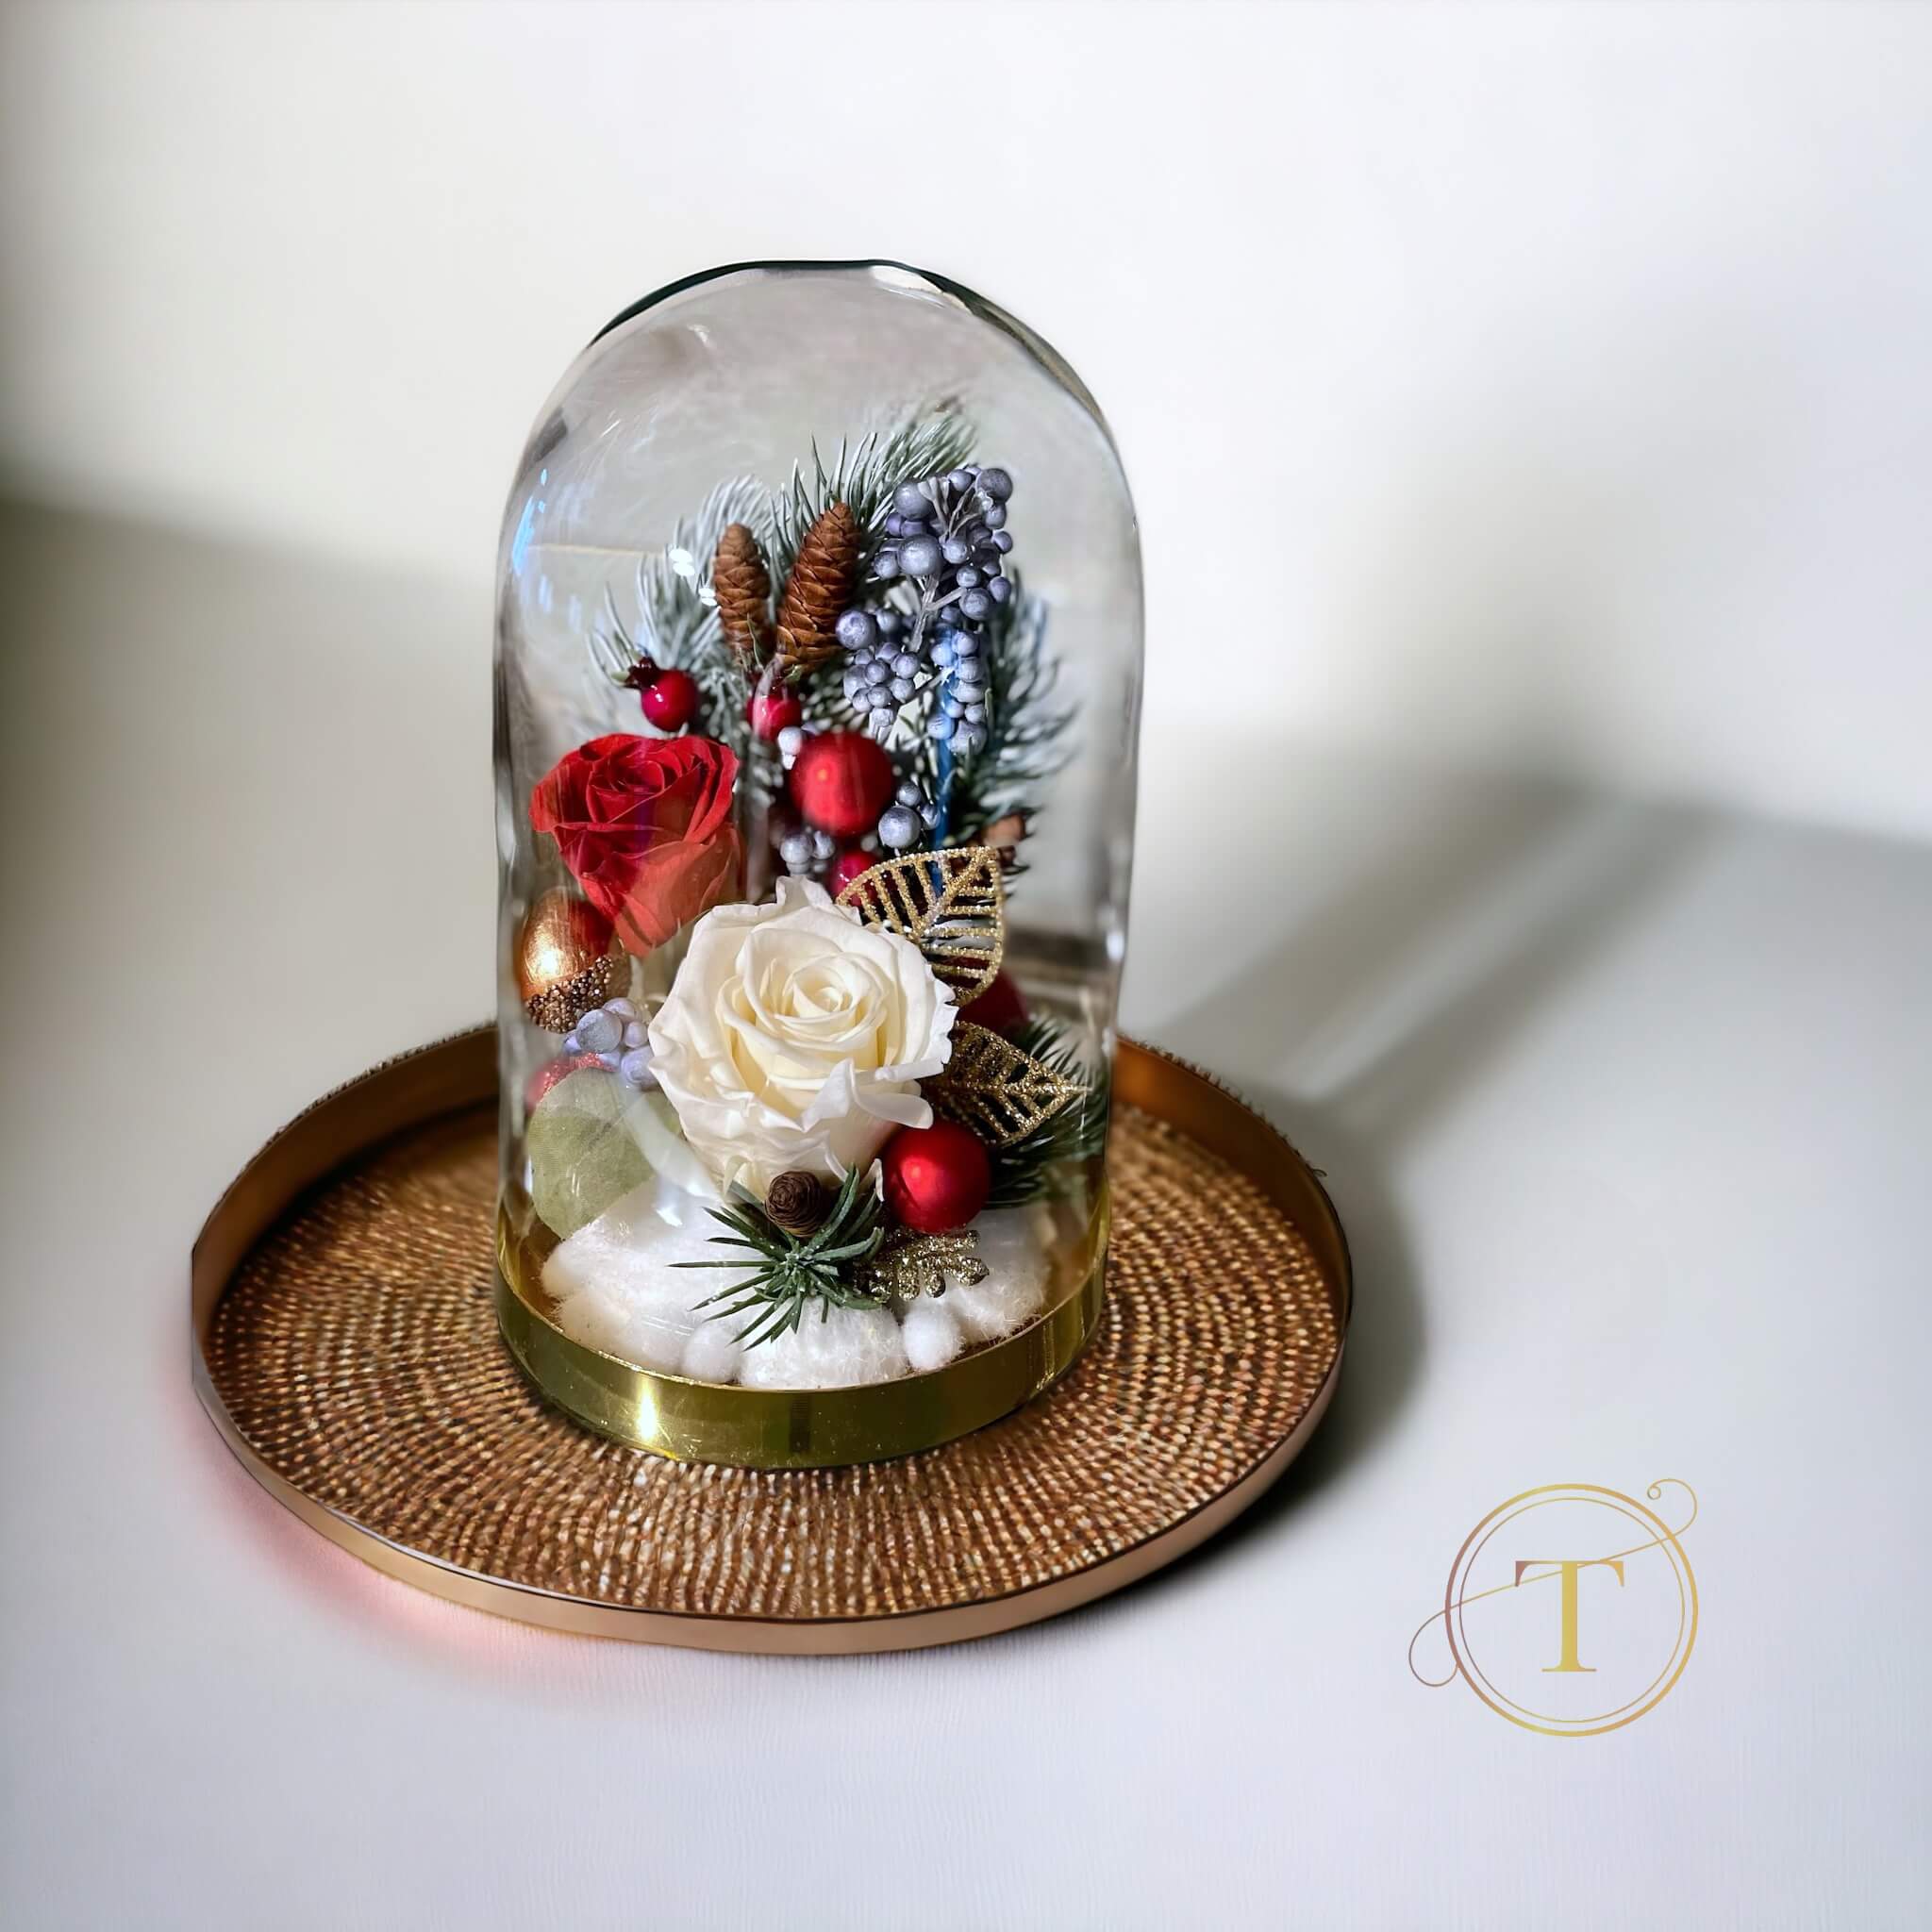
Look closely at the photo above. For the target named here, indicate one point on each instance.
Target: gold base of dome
(789, 1428)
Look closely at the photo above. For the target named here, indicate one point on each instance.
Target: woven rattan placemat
(356, 1356)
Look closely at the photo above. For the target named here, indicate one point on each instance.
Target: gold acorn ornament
(564, 961)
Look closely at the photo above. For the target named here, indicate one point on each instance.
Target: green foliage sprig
(784, 1273)
(676, 626)
(676, 621)
(862, 476)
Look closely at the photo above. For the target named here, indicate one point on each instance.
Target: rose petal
(794, 1036)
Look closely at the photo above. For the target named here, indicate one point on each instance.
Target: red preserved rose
(644, 826)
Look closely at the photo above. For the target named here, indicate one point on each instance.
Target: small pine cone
(796, 1201)
(1003, 836)
(744, 587)
(821, 585)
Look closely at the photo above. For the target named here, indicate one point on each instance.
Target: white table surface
(1626, 1108)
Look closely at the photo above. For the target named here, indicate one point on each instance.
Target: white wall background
(1541, 387)
(1533, 387)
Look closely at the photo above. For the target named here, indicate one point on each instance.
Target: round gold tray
(347, 1345)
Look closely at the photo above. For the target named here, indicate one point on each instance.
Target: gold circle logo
(1570, 1609)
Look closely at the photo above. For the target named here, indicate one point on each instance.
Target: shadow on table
(1385, 1005)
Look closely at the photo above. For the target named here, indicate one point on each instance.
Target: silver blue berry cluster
(617, 1037)
(806, 851)
(881, 673)
(941, 566)
(904, 823)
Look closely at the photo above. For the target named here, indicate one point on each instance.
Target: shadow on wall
(223, 689)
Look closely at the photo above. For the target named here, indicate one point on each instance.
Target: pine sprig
(676, 622)
(676, 626)
(863, 476)
(1035, 1166)
(676, 617)
(784, 1273)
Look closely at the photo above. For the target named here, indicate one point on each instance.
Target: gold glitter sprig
(914, 1264)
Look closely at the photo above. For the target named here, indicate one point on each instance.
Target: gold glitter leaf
(951, 905)
(914, 1264)
(1000, 1092)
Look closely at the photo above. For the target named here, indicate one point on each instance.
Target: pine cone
(797, 1201)
(821, 587)
(744, 587)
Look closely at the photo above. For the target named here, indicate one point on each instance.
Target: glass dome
(816, 687)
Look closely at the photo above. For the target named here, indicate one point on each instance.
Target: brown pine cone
(821, 587)
(744, 587)
(797, 1201)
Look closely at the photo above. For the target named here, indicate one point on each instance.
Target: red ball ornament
(937, 1177)
(999, 1009)
(847, 867)
(671, 700)
(842, 781)
(773, 711)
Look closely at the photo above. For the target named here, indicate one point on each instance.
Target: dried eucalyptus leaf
(583, 1154)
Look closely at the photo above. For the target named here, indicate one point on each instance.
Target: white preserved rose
(794, 1036)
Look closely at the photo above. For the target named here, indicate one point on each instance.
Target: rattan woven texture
(356, 1351)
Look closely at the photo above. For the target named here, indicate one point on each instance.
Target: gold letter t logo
(1571, 1568)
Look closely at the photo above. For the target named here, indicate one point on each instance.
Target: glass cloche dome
(817, 688)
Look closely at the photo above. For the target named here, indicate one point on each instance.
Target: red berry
(847, 867)
(671, 700)
(842, 781)
(937, 1177)
(999, 1009)
(773, 711)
